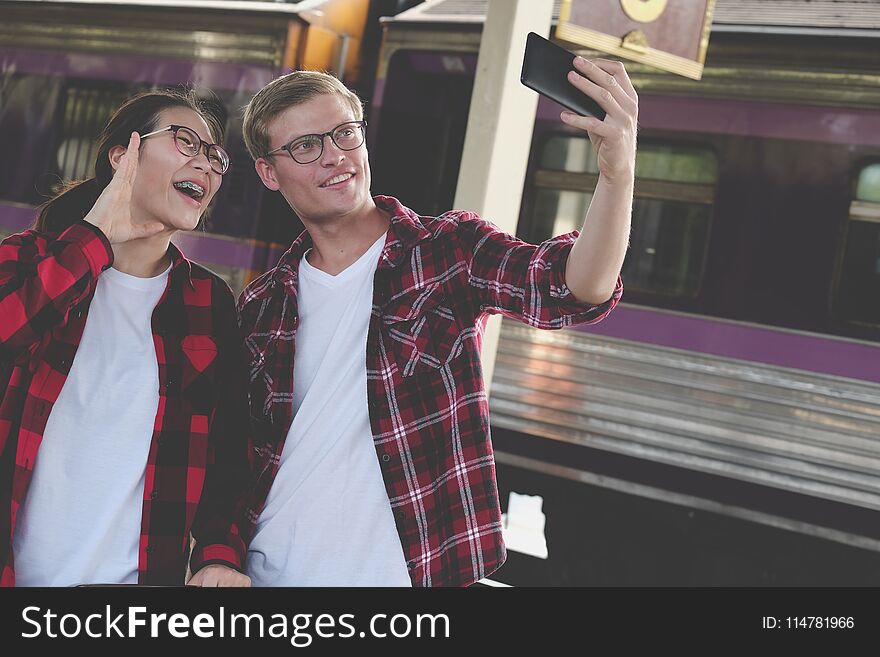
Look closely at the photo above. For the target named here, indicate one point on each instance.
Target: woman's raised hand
(112, 211)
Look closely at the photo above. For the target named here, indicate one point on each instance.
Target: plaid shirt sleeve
(219, 520)
(42, 278)
(525, 281)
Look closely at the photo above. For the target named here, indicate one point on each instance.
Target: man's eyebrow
(308, 134)
(318, 134)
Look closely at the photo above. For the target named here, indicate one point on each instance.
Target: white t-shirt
(81, 518)
(327, 519)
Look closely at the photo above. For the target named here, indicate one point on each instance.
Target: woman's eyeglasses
(190, 144)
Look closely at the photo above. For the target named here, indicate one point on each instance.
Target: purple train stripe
(145, 69)
(201, 247)
(247, 254)
(836, 125)
(762, 344)
(16, 218)
(460, 63)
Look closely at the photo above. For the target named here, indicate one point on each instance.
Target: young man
(373, 459)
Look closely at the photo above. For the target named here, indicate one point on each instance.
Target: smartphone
(545, 69)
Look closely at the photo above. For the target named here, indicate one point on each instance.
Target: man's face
(309, 188)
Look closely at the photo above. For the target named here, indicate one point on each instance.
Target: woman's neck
(144, 258)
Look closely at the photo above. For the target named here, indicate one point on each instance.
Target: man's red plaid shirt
(437, 280)
(198, 459)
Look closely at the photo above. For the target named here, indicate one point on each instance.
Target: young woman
(123, 416)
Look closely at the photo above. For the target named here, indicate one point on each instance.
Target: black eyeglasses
(190, 144)
(308, 148)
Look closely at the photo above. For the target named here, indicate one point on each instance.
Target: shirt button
(410, 564)
(386, 458)
(154, 494)
(401, 516)
(150, 549)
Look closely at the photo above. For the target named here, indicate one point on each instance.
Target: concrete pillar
(499, 130)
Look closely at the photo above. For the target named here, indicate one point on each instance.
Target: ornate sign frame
(639, 23)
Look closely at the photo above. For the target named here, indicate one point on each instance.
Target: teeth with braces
(187, 186)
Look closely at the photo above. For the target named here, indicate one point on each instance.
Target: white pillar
(499, 130)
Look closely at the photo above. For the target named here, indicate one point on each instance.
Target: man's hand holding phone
(600, 99)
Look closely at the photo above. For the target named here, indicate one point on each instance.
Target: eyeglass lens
(347, 137)
(189, 143)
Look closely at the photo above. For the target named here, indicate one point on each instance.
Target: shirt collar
(406, 230)
(179, 263)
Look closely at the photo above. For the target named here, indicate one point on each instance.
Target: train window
(676, 164)
(560, 211)
(858, 286)
(868, 187)
(85, 110)
(51, 124)
(27, 123)
(564, 153)
(654, 162)
(671, 213)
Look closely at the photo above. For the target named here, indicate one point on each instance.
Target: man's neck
(338, 244)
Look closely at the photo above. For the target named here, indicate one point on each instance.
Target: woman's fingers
(112, 211)
(127, 168)
(134, 147)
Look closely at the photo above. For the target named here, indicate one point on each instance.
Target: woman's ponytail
(69, 206)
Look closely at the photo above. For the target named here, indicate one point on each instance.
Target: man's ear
(266, 172)
(115, 154)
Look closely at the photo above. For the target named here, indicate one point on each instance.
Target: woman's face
(159, 193)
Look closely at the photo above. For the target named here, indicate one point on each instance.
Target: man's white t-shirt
(327, 519)
(80, 522)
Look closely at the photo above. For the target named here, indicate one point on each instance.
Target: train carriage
(66, 65)
(735, 392)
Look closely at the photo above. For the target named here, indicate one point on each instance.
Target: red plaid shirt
(198, 458)
(437, 280)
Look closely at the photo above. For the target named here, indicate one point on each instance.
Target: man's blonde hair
(285, 92)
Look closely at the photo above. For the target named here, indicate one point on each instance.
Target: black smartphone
(545, 69)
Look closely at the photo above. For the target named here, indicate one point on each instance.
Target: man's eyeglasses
(308, 148)
(190, 144)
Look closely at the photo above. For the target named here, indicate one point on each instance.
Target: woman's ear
(115, 154)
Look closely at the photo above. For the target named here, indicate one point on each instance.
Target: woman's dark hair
(139, 113)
